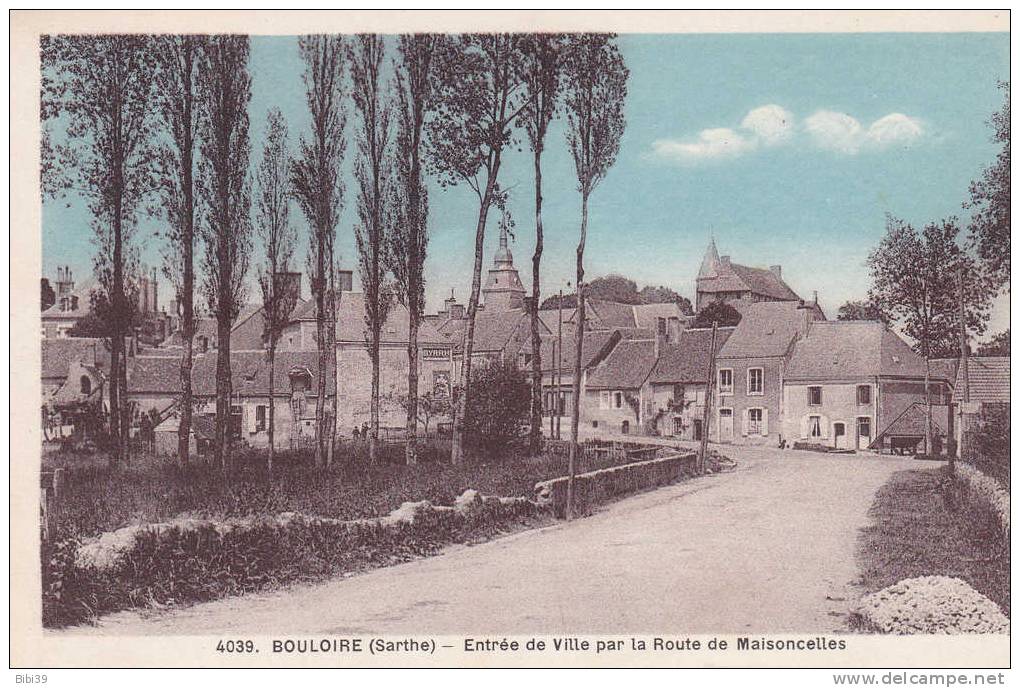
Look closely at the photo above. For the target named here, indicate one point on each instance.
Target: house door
(863, 432)
(697, 429)
(839, 435)
(725, 425)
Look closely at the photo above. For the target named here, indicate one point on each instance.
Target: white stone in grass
(468, 502)
(932, 605)
(409, 512)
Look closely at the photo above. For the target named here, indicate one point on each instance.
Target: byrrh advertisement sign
(435, 353)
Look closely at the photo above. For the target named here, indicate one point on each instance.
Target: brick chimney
(725, 260)
(776, 270)
(456, 311)
(661, 336)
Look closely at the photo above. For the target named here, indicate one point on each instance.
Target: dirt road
(767, 548)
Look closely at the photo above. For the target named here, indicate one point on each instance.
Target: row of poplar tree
(159, 125)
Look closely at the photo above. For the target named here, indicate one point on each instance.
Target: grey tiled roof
(687, 360)
(989, 379)
(626, 367)
(841, 350)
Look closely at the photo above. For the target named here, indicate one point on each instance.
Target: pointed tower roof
(710, 263)
(503, 258)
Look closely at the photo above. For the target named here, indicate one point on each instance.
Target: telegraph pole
(559, 365)
(965, 373)
(706, 412)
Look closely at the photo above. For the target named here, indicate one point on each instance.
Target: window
(605, 398)
(260, 418)
(86, 385)
(594, 423)
(864, 427)
(235, 421)
(617, 399)
(814, 427)
(725, 381)
(755, 381)
(814, 396)
(625, 427)
(755, 417)
(863, 395)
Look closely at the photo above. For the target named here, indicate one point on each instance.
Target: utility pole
(964, 353)
(706, 412)
(554, 407)
(559, 365)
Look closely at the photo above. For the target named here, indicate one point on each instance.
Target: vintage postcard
(511, 339)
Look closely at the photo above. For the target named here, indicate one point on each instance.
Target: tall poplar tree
(414, 82)
(317, 182)
(177, 98)
(102, 84)
(225, 87)
(481, 97)
(595, 88)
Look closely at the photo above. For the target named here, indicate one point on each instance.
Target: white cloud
(771, 124)
(838, 131)
(710, 144)
(835, 131)
(894, 130)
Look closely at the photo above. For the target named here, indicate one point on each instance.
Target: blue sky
(788, 149)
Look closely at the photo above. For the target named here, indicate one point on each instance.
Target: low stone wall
(987, 493)
(598, 487)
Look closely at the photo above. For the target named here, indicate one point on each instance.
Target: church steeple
(710, 263)
(503, 289)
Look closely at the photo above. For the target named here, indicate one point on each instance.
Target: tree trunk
(535, 437)
(411, 448)
(575, 413)
(223, 392)
(373, 438)
(460, 407)
(333, 377)
(324, 374)
(272, 405)
(928, 430)
(115, 357)
(188, 284)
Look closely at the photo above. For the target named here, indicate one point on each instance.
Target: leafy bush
(500, 405)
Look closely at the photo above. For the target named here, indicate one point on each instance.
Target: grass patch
(923, 528)
(197, 566)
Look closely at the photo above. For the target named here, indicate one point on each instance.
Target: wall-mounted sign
(435, 353)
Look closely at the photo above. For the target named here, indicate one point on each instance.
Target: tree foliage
(990, 203)
(47, 297)
(998, 345)
(500, 405)
(278, 238)
(719, 312)
(914, 280)
(862, 310)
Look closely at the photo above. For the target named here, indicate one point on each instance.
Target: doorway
(839, 435)
(725, 425)
(863, 432)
